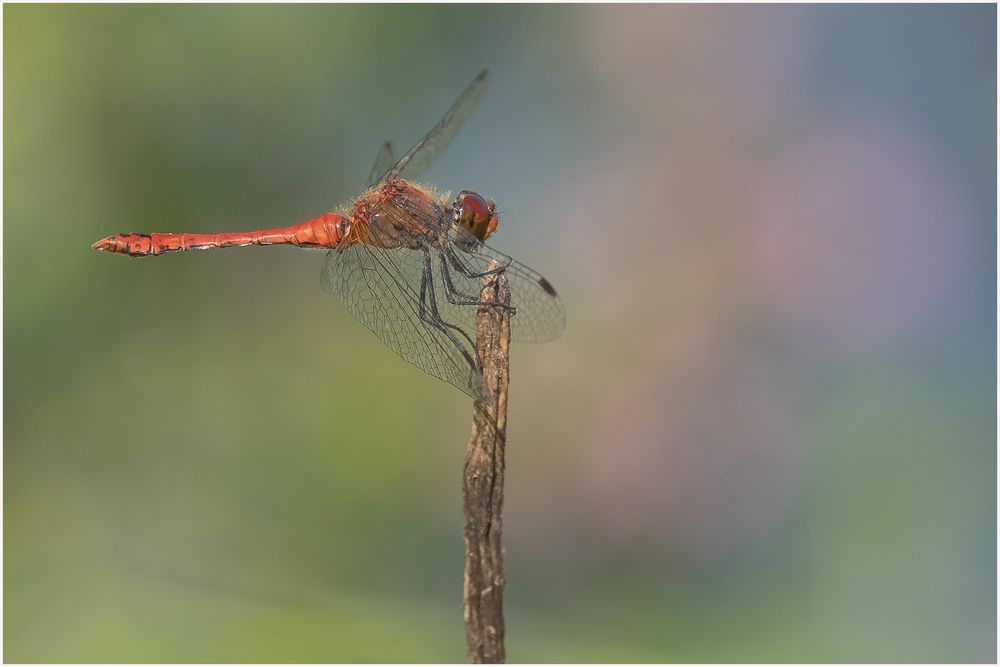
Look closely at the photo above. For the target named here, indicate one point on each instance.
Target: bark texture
(483, 487)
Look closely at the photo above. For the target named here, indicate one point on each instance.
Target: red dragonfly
(406, 260)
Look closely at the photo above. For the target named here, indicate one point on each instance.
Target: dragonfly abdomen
(323, 231)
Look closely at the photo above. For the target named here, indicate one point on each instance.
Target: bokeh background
(768, 433)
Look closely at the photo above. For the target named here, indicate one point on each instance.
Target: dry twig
(483, 487)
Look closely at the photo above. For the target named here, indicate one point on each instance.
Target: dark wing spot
(547, 286)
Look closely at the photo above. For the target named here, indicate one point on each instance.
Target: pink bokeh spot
(711, 467)
(857, 231)
(702, 66)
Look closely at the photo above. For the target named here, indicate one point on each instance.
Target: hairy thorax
(397, 214)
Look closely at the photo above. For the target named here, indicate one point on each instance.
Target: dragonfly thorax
(399, 214)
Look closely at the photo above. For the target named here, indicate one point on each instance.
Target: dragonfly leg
(459, 299)
(460, 266)
(429, 313)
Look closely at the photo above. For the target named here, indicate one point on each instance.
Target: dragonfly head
(476, 214)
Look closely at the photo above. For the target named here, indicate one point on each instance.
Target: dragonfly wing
(420, 157)
(383, 162)
(389, 291)
(540, 315)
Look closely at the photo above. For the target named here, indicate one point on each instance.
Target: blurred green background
(767, 435)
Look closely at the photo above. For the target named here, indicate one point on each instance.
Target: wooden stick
(483, 488)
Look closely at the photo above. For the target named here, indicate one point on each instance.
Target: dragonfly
(407, 260)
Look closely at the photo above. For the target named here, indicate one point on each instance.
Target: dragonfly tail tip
(106, 244)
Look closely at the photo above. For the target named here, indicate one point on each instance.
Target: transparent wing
(396, 296)
(539, 312)
(420, 157)
(383, 161)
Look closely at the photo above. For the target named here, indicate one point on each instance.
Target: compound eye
(476, 214)
(475, 210)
